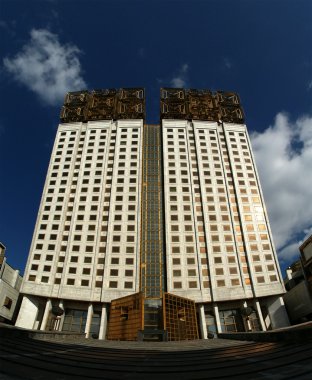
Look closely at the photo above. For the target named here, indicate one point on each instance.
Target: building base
(133, 317)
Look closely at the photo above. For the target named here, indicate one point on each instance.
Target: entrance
(168, 318)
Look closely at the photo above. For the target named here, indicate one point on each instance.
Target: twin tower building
(152, 231)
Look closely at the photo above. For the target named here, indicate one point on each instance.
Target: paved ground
(23, 357)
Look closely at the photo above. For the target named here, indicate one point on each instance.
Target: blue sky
(260, 49)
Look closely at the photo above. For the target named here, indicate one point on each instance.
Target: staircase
(24, 356)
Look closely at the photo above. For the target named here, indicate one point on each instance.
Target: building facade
(151, 228)
(298, 299)
(306, 261)
(10, 284)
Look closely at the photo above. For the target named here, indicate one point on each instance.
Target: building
(157, 229)
(298, 300)
(306, 261)
(10, 284)
(2, 253)
(298, 283)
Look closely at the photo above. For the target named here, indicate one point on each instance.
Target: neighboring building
(298, 299)
(10, 284)
(152, 227)
(306, 260)
(2, 253)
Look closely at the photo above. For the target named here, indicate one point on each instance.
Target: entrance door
(75, 320)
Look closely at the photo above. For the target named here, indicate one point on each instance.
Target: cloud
(308, 233)
(283, 154)
(227, 63)
(180, 80)
(47, 67)
(289, 253)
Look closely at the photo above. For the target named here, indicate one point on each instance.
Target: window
(177, 285)
(176, 273)
(7, 303)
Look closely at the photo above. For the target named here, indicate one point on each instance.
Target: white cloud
(308, 233)
(177, 82)
(284, 160)
(47, 67)
(289, 253)
(180, 80)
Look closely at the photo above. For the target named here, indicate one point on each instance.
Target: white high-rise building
(167, 219)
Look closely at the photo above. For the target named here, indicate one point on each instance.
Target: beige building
(175, 208)
(10, 284)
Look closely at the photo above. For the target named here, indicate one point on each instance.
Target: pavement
(25, 356)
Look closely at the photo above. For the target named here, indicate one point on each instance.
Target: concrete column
(202, 321)
(61, 305)
(260, 316)
(246, 318)
(28, 313)
(103, 325)
(278, 313)
(14, 282)
(89, 320)
(46, 314)
(217, 318)
(2, 267)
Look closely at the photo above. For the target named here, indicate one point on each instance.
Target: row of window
(84, 283)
